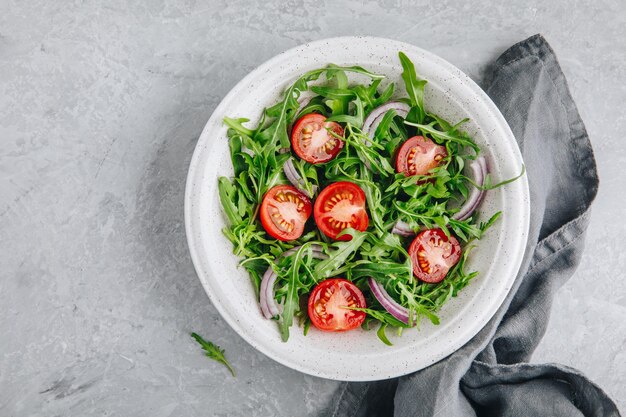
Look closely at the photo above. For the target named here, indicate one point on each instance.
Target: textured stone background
(100, 108)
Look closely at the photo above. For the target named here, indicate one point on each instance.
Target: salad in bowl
(361, 202)
(353, 206)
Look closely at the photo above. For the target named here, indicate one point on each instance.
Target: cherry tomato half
(284, 211)
(433, 254)
(312, 141)
(418, 155)
(328, 302)
(339, 206)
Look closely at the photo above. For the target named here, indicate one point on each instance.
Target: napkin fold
(490, 376)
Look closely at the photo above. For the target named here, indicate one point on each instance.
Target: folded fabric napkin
(490, 376)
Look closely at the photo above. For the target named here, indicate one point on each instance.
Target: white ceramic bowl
(358, 355)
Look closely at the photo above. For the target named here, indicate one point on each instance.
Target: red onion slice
(317, 250)
(295, 179)
(383, 297)
(479, 172)
(402, 228)
(376, 116)
(267, 301)
(270, 309)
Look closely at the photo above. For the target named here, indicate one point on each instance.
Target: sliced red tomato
(418, 155)
(433, 254)
(339, 206)
(284, 211)
(328, 302)
(312, 141)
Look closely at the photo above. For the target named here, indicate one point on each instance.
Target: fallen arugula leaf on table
(213, 351)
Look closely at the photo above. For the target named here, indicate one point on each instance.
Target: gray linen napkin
(490, 376)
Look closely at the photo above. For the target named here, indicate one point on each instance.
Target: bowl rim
(193, 245)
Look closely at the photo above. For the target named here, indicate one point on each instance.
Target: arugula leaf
(382, 316)
(367, 153)
(373, 198)
(414, 86)
(444, 136)
(334, 93)
(315, 105)
(308, 173)
(356, 120)
(488, 186)
(227, 197)
(489, 223)
(385, 96)
(290, 305)
(382, 336)
(240, 163)
(214, 352)
(237, 126)
(342, 251)
(382, 269)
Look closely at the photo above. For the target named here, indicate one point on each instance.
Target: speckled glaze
(359, 355)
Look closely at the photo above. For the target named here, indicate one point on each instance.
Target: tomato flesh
(312, 141)
(284, 212)
(328, 304)
(418, 155)
(433, 254)
(339, 206)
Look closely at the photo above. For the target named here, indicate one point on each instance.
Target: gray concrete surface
(101, 104)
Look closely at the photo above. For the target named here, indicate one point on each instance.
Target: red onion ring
(267, 301)
(479, 172)
(317, 250)
(268, 279)
(383, 297)
(376, 116)
(295, 179)
(402, 228)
